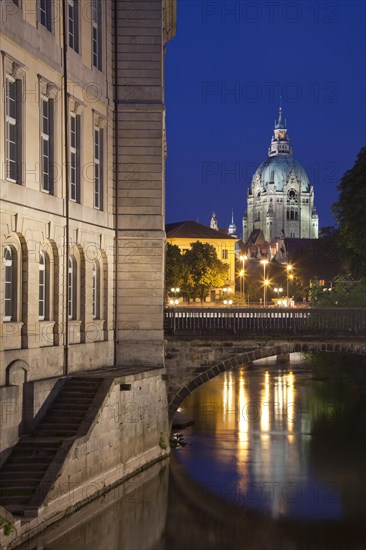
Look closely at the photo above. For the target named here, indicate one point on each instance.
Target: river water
(275, 459)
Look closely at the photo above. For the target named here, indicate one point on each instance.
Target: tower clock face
(282, 135)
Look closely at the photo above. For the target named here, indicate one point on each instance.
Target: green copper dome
(277, 169)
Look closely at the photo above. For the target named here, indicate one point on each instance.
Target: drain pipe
(67, 212)
(115, 168)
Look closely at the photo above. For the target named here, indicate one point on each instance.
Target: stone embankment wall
(128, 432)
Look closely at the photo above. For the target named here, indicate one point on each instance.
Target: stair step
(56, 433)
(16, 483)
(23, 456)
(60, 425)
(16, 492)
(15, 509)
(24, 468)
(64, 417)
(58, 421)
(4, 501)
(62, 407)
(80, 388)
(56, 415)
(77, 391)
(72, 401)
(28, 460)
(84, 380)
(30, 443)
(10, 477)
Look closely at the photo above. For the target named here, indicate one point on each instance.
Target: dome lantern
(280, 144)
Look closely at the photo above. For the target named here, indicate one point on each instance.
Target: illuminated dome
(280, 200)
(277, 169)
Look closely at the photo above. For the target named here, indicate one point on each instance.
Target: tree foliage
(196, 272)
(342, 293)
(350, 214)
(174, 267)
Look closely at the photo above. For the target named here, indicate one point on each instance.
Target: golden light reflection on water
(254, 417)
(243, 406)
(265, 405)
(258, 435)
(227, 401)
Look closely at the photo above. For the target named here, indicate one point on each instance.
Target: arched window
(10, 284)
(72, 278)
(42, 287)
(96, 290)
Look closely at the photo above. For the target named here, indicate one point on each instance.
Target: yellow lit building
(183, 234)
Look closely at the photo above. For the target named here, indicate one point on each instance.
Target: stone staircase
(26, 466)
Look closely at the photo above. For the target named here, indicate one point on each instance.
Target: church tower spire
(280, 144)
(232, 226)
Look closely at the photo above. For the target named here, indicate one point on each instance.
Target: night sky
(225, 71)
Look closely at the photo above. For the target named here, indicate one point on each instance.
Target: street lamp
(278, 292)
(244, 258)
(289, 269)
(175, 292)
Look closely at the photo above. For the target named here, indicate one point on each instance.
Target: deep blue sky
(312, 53)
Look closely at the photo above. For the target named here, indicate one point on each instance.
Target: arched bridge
(202, 343)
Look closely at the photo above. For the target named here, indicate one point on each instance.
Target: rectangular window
(9, 284)
(75, 157)
(97, 34)
(224, 254)
(45, 14)
(98, 168)
(73, 24)
(71, 288)
(12, 129)
(46, 145)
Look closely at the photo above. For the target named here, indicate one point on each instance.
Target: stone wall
(140, 175)
(125, 436)
(127, 430)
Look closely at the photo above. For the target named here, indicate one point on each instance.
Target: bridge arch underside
(244, 359)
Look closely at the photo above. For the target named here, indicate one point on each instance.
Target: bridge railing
(266, 322)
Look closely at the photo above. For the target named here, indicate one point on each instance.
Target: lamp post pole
(289, 276)
(243, 259)
(265, 281)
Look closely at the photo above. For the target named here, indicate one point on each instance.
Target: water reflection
(131, 516)
(279, 449)
(257, 443)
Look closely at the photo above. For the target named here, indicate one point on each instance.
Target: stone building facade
(81, 193)
(280, 200)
